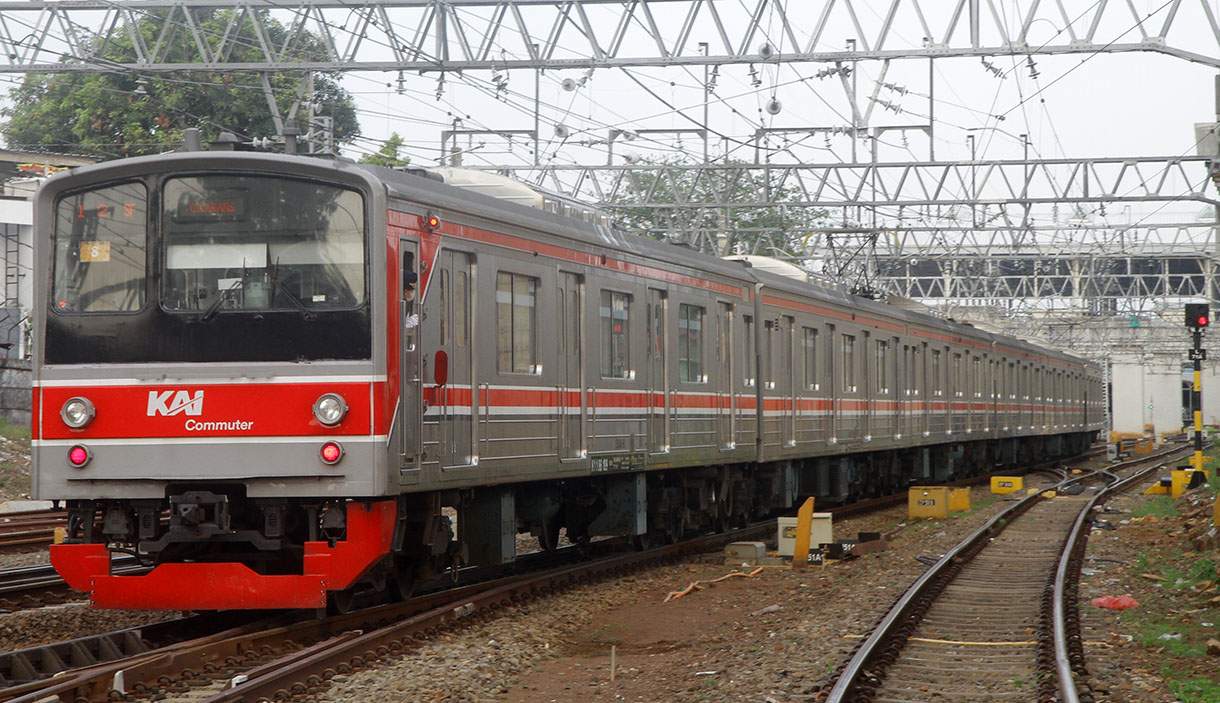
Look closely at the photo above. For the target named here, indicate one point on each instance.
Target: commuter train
(273, 378)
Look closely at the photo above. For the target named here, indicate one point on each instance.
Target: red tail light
(79, 455)
(332, 452)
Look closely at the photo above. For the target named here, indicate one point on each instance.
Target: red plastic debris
(1115, 602)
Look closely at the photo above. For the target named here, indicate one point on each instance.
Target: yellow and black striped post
(1196, 399)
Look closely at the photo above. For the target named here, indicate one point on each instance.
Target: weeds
(1161, 507)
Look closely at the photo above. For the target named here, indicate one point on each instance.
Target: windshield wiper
(220, 299)
(305, 312)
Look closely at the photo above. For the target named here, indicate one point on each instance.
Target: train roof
(408, 184)
(482, 197)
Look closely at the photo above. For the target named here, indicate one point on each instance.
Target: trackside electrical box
(1001, 485)
(820, 532)
(936, 501)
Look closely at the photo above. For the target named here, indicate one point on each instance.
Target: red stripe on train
(244, 409)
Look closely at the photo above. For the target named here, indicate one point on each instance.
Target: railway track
(29, 529)
(293, 649)
(995, 618)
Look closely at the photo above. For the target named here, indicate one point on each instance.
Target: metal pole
(706, 98)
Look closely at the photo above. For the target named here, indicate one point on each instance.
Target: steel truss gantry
(986, 231)
(464, 35)
(926, 210)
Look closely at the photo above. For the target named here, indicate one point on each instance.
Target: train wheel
(675, 527)
(343, 602)
(547, 533)
(402, 582)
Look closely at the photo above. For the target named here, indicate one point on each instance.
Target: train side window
(690, 344)
(883, 376)
(444, 307)
(937, 381)
(516, 339)
(767, 373)
(615, 314)
(811, 359)
(976, 382)
(461, 325)
(849, 363)
(750, 363)
(959, 376)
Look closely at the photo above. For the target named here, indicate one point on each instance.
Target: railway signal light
(1197, 316)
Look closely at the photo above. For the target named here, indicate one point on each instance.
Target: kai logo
(175, 402)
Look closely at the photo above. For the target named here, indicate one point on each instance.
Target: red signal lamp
(431, 222)
(1198, 316)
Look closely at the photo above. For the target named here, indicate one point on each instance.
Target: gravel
(27, 628)
(778, 635)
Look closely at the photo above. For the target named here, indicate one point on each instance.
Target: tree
(116, 114)
(718, 211)
(387, 155)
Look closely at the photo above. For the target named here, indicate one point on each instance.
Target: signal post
(1197, 319)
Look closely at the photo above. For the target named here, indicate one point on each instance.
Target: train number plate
(617, 462)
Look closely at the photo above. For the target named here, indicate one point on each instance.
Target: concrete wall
(1128, 397)
(1164, 395)
(1148, 392)
(15, 396)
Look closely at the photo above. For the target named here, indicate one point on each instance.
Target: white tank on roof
(492, 184)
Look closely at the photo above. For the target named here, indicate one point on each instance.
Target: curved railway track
(994, 619)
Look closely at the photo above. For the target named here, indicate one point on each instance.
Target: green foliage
(17, 433)
(117, 114)
(1149, 632)
(774, 229)
(1161, 506)
(387, 155)
(1193, 690)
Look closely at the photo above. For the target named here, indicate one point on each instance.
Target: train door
(726, 399)
(409, 404)
(452, 371)
(571, 380)
(658, 386)
(787, 380)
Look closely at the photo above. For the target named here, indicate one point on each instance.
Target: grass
(1161, 507)
(1192, 690)
(14, 461)
(1189, 580)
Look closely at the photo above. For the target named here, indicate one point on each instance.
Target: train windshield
(198, 268)
(261, 243)
(100, 250)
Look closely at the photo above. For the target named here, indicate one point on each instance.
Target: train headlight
(330, 409)
(77, 412)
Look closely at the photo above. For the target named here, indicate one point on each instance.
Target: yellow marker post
(804, 521)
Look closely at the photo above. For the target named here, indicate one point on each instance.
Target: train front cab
(208, 394)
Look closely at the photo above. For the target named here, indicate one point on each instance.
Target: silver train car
(270, 376)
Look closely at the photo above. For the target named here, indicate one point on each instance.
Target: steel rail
(877, 645)
(1065, 570)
